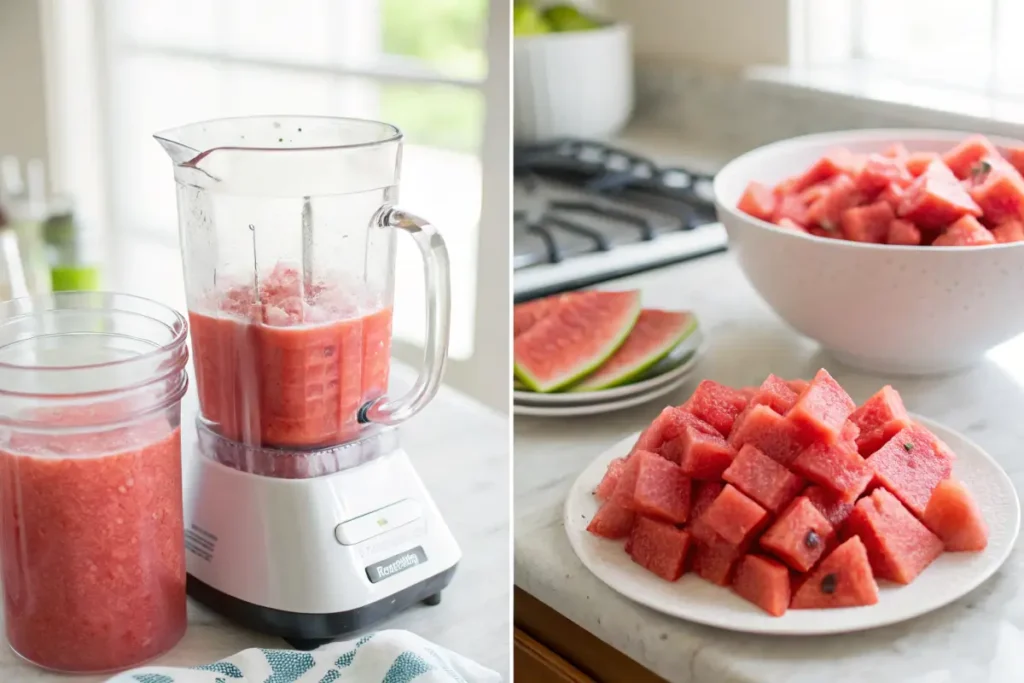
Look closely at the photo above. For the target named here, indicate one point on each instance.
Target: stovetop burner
(585, 212)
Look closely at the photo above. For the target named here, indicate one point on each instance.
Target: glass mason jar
(91, 531)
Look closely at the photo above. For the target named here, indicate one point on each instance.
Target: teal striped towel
(382, 657)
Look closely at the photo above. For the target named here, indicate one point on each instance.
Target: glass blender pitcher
(288, 231)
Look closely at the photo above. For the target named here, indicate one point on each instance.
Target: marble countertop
(977, 639)
(460, 449)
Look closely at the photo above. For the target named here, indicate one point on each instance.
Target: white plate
(949, 577)
(598, 408)
(694, 343)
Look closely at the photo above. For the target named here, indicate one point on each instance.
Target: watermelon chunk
(843, 579)
(714, 560)
(909, 465)
(764, 582)
(1000, 194)
(758, 200)
(903, 233)
(868, 223)
(611, 521)
(827, 211)
(700, 454)
(659, 547)
(765, 481)
(625, 487)
(892, 195)
(962, 158)
(879, 171)
(835, 162)
(954, 517)
(575, 339)
(899, 546)
(704, 495)
(879, 419)
(1010, 231)
(610, 480)
(653, 336)
(716, 404)
(799, 535)
(734, 517)
(966, 232)
(822, 409)
(769, 432)
(666, 427)
(662, 490)
(936, 199)
(918, 162)
(832, 507)
(835, 466)
(790, 207)
(774, 393)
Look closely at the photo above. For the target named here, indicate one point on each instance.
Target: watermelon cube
(963, 157)
(764, 582)
(625, 487)
(832, 507)
(610, 480)
(1000, 194)
(799, 535)
(659, 547)
(774, 393)
(936, 199)
(892, 195)
(843, 579)
(909, 465)
(612, 521)
(899, 546)
(965, 232)
(790, 207)
(849, 434)
(821, 411)
(836, 467)
(918, 162)
(701, 455)
(832, 164)
(714, 560)
(769, 432)
(954, 517)
(662, 490)
(734, 516)
(869, 223)
(879, 171)
(879, 419)
(1010, 231)
(704, 495)
(827, 212)
(758, 200)
(765, 481)
(903, 233)
(666, 427)
(716, 404)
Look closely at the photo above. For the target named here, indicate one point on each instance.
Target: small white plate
(598, 408)
(949, 577)
(694, 344)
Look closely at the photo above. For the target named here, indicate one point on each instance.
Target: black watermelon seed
(811, 540)
(828, 584)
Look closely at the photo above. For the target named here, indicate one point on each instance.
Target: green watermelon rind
(588, 367)
(644, 363)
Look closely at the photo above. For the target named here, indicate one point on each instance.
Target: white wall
(22, 89)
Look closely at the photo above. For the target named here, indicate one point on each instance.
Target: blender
(304, 517)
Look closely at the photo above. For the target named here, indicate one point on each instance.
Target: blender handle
(388, 411)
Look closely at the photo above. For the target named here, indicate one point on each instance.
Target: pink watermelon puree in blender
(91, 540)
(291, 367)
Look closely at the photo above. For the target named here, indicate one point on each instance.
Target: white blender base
(312, 559)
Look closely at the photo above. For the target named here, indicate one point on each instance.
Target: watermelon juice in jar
(288, 235)
(91, 533)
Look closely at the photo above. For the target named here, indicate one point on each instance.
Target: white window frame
(77, 64)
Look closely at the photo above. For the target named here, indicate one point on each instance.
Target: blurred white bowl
(887, 309)
(577, 83)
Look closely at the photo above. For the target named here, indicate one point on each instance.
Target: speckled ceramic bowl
(888, 309)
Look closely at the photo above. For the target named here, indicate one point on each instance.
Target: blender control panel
(381, 521)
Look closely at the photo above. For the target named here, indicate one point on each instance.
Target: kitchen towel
(382, 657)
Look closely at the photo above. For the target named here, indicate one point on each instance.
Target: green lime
(528, 21)
(568, 18)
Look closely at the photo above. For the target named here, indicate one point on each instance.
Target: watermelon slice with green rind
(575, 339)
(654, 336)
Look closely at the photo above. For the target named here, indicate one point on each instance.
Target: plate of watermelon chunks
(754, 509)
(967, 196)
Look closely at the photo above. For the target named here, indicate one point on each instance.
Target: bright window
(421, 65)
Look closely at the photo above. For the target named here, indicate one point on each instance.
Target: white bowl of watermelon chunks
(789, 493)
(900, 251)
(592, 341)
